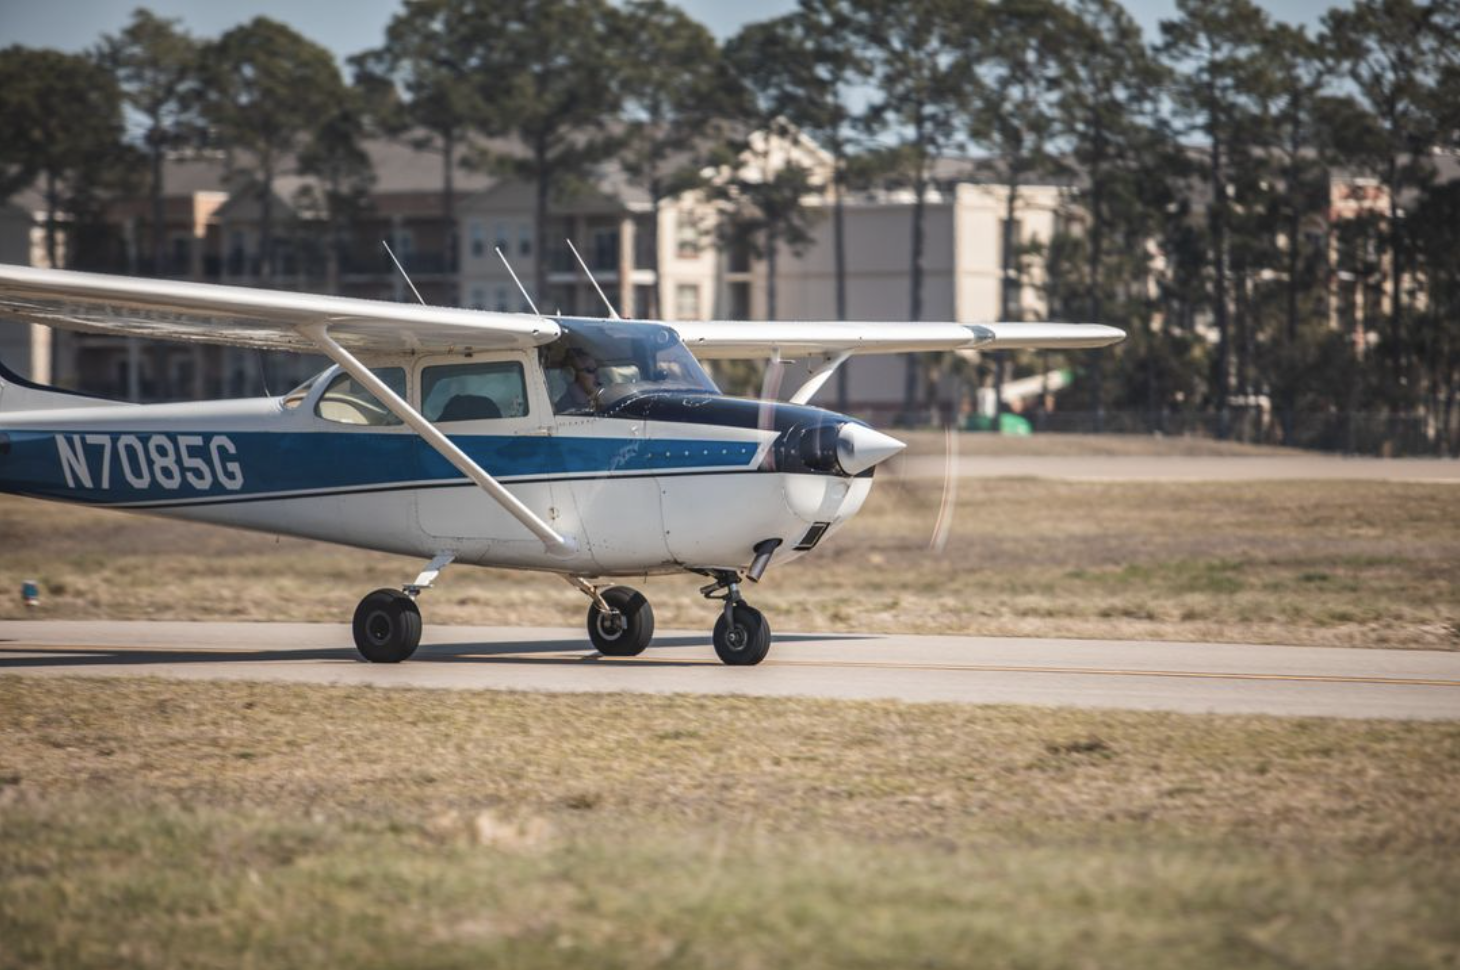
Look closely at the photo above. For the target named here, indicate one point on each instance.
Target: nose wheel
(742, 635)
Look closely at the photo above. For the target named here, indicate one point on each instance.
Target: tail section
(19, 394)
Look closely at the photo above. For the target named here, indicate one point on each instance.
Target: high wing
(277, 320)
(244, 317)
(735, 339)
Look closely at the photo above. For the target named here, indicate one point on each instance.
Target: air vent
(813, 536)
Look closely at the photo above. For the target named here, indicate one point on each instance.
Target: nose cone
(858, 448)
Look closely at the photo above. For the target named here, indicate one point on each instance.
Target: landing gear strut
(620, 619)
(742, 635)
(387, 624)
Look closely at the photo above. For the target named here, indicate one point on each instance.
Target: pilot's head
(585, 370)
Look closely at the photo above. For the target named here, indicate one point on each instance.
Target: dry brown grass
(1334, 562)
(1337, 563)
(155, 824)
(1089, 445)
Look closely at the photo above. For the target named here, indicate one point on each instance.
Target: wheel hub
(611, 625)
(379, 627)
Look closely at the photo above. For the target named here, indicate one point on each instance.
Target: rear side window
(474, 392)
(344, 401)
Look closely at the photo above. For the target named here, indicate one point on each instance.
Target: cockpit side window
(345, 401)
(474, 392)
(296, 397)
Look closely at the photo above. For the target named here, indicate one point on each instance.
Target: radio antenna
(589, 273)
(403, 272)
(522, 289)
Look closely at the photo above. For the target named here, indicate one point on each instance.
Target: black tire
(627, 633)
(745, 642)
(387, 627)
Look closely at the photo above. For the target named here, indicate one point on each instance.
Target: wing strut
(558, 545)
(818, 378)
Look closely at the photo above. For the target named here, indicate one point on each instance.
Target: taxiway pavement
(1188, 677)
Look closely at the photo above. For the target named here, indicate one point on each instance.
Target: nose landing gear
(742, 635)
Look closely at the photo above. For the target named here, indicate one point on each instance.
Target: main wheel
(387, 626)
(744, 641)
(626, 632)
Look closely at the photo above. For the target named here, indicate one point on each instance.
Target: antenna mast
(589, 273)
(522, 289)
(403, 272)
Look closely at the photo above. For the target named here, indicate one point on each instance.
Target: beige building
(212, 235)
(612, 228)
(962, 270)
(700, 277)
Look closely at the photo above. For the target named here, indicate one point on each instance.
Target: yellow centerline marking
(564, 657)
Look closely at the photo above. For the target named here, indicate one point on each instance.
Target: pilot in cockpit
(583, 389)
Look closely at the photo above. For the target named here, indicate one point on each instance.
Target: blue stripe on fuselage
(266, 462)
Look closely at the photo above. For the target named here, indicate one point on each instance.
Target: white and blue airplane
(589, 448)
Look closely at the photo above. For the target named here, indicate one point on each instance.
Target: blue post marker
(30, 591)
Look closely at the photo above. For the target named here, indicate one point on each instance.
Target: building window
(502, 299)
(478, 298)
(605, 249)
(644, 302)
(740, 256)
(739, 301)
(181, 254)
(524, 239)
(686, 237)
(478, 239)
(405, 244)
(687, 301)
(503, 242)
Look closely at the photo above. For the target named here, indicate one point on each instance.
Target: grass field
(152, 824)
(1339, 563)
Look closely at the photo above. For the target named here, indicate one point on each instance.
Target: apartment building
(963, 226)
(212, 234)
(613, 227)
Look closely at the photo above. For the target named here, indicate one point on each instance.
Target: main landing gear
(387, 624)
(620, 621)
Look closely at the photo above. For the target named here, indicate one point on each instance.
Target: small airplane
(590, 448)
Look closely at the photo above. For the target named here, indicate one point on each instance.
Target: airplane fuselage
(667, 481)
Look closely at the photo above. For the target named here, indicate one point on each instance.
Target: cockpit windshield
(597, 363)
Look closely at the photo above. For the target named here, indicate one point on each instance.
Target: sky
(349, 26)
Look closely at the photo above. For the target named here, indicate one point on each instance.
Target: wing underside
(732, 339)
(246, 317)
(279, 320)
